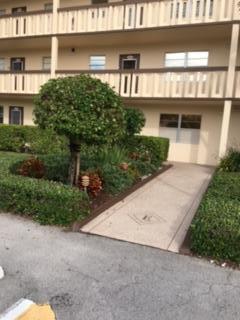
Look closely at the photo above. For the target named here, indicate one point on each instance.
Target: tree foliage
(81, 108)
(135, 121)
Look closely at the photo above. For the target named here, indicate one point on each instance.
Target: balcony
(22, 82)
(190, 83)
(120, 16)
(26, 24)
(145, 14)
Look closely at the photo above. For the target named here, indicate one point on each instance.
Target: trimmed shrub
(215, 230)
(31, 139)
(47, 202)
(156, 147)
(231, 162)
(55, 167)
(135, 121)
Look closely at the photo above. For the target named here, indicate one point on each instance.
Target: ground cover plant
(215, 231)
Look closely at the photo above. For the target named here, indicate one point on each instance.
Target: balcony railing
(145, 14)
(130, 15)
(27, 24)
(153, 83)
(164, 83)
(23, 82)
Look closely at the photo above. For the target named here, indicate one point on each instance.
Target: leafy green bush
(135, 121)
(116, 180)
(34, 140)
(47, 202)
(156, 147)
(215, 231)
(231, 162)
(55, 167)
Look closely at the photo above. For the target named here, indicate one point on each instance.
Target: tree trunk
(74, 167)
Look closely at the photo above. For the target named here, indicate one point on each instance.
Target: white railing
(141, 84)
(26, 25)
(159, 84)
(22, 83)
(126, 16)
(147, 14)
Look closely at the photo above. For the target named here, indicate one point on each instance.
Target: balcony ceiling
(171, 35)
(143, 37)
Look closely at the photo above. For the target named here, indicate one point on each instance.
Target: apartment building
(176, 60)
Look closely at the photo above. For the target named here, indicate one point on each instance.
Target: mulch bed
(104, 201)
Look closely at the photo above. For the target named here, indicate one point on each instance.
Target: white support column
(54, 56)
(225, 128)
(54, 45)
(232, 61)
(229, 90)
(56, 4)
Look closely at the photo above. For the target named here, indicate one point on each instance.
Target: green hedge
(215, 231)
(13, 138)
(47, 202)
(157, 147)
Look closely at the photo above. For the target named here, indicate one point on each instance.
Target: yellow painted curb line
(28, 310)
(37, 312)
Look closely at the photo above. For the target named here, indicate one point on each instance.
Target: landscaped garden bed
(215, 230)
(36, 185)
(85, 152)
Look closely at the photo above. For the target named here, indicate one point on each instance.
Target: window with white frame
(97, 62)
(1, 114)
(2, 12)
(181, 128)
(187, 59)
(2, 64)
(46, 63)
(48, 6)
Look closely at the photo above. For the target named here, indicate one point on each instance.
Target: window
(1, 114)
(46, 63)
(16, 115)
(183, 128)
(19, 10)
(187, 59)
(2, 64)
(2, 12)
(48, 6)
(99, 1)
(97, 62)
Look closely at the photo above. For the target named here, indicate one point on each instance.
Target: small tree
(135, 121)
(82, 108)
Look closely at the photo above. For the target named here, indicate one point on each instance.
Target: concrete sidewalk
(158, 214)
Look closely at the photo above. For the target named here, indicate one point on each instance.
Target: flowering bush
(33, 168)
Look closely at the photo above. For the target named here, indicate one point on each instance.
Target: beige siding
(33, 5)
(152, 56)
(19, 102)
(207, 150)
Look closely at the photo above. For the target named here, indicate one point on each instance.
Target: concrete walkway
(158, 214)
